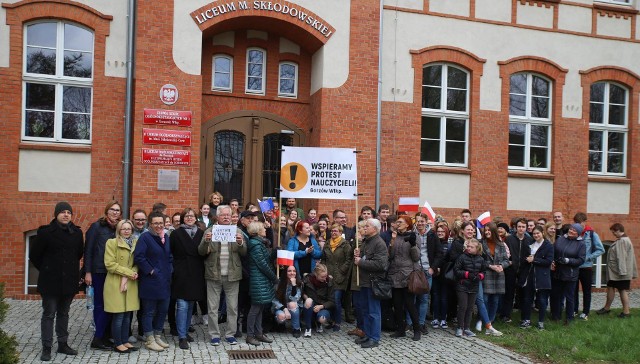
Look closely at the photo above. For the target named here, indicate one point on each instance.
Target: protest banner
(224, 233)
(328, 173)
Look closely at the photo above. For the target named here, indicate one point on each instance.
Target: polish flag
(485, 218)
(426, 209)
(285, 257)
(408, 204)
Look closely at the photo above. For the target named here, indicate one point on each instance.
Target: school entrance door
(241, 155)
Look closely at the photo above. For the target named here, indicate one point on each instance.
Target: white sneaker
(307, 333)
(319, 329)
(435, 324)
(443, 324)
(492, 331)
(479, 326)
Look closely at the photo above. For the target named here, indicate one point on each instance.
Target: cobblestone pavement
(439, 346)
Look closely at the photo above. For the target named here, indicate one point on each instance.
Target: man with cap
(569, 254)
(222, 271)
(56, 254)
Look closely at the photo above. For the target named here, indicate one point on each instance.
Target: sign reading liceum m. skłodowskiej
(329, 173)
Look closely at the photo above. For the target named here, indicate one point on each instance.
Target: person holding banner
(305, 247)
(337, 255)
(222, 246)
(371, 259)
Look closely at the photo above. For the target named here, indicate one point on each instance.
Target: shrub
(8, 344)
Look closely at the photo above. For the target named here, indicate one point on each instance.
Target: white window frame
(213, 73)
(295, 80)
(59, 81)
(264, 72)
(28, 237)
(606, 128)
(617, 2)
(529, 121)
(443, 114)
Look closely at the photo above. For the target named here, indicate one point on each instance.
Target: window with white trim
(57, 82)
(222, 73)
(31, 272)
(529, 122)
(618, 2)
(256, 71)
(445, 115)
(608, 129)
(288, 79)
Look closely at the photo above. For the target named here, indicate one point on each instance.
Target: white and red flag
(285, 257)
(408, 204)
(426, 209)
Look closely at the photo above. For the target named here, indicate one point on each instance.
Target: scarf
(333, 244)
(152, 232)
(129, 241)
(190, 229)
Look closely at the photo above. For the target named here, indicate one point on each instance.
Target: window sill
(527, 174)
(255, 97)
(609, 179)
(55, 147)
(444, 169)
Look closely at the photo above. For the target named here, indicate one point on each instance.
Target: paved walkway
(440, 346)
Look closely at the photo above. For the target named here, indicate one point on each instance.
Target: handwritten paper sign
(224, 233)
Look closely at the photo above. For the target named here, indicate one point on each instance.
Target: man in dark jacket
(372, 260)
(56, 254)
(516, 243)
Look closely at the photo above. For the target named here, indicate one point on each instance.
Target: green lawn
(601, 339)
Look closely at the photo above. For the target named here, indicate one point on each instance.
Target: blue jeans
(422, 303)
(100, 318)
(482, 309)
(310, 316)
(337, 298)
(120, 327)
(356, 296)
(154, 313)
(492, 301)
(561, 291)
(183, 316)
(371, 314)
(295, 318)
(440, 303)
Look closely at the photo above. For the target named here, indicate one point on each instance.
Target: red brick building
(520, 107)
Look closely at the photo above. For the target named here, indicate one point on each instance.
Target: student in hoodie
(594, 249)
(535, 278)
(569, 254)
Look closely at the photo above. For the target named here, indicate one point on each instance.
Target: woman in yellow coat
(121, 286)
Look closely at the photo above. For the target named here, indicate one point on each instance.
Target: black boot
(64, 348)
(46, 353)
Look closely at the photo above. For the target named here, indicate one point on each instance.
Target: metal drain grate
(251, 354)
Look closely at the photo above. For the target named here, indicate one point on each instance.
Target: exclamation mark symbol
(292, 172)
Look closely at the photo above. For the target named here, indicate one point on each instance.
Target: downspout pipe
(379, 121)
(128, 117)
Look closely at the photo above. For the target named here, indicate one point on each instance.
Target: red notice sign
(168, 137)
(166, 157)
(167, 117)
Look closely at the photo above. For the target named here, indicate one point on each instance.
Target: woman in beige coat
(121, 286)
(621, 269)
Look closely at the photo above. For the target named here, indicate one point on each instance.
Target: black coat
(56, 254)
(537, 272)
(516, 248)
(188, 266)
(97, 235)
(434, 251)
(466, 270)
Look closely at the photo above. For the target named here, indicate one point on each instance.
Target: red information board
(166, 157)
(167, 137)
(167, 117)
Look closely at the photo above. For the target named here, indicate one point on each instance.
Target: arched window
(608, 110)
(222, 73)
(57, 82)
(445, 115)
(288, 79)
(256, 71)
(529, 122)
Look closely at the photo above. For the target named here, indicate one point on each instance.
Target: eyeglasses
(125, 229)
(117, 211)
(157, 223)
(189, 216)
(140, 220)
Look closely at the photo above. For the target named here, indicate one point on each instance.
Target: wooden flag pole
(279, 229)
(357, 244)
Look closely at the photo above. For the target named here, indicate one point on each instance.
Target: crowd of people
(166, 266)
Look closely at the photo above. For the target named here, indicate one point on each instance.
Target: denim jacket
(594, 247)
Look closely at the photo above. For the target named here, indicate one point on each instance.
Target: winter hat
(61, 206)
(577, 227)
(504, 226)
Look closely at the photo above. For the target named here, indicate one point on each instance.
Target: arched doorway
(241, 155)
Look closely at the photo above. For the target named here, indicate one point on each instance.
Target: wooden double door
(241, 155)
